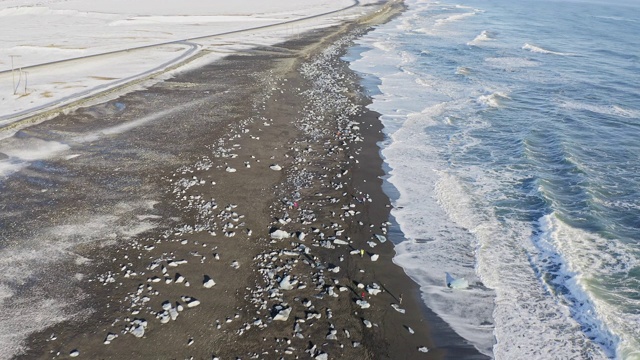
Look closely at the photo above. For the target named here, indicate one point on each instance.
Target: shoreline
(255, 269)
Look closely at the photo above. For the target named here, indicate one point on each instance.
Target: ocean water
(513, 158)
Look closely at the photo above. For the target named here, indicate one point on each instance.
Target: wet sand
(262, 194)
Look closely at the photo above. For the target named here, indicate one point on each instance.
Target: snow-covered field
(38, 38)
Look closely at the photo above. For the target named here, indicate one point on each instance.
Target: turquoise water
(513, 146)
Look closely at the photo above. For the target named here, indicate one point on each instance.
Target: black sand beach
(259, 195)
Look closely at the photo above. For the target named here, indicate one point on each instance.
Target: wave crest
(484, 36)
(537, 49)
(493, 100)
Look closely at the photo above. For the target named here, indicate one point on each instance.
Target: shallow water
(512, 150)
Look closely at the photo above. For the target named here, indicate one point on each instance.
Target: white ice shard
(280, 234)
(460, 283)
(138, 331)
(208, 282)
(275, 167)
(283, 315)
(287, 284)
(398, 308)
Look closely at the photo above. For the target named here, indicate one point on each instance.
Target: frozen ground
(116, 41)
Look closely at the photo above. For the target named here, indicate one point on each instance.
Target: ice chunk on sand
(398, 308)
(280, 234)
(287, 284)
(283, 315)
(138, 331)
(208, 282)
(275, 167)
(381, 238)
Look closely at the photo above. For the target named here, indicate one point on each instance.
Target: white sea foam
(493, 100)
(587, 260)
(443, 220)
(510, 63)
(483, 37)
(612, 110)
(463, 70)
(454, 18)
(540, 50)
(426, 254)
(617, 18)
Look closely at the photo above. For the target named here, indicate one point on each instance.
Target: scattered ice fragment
(283, 315)
(398, 308)
(460, 283)
(208, 282)
(275, 167)
(280, 234)
(74, 353)
(381, 238)
(423, 349)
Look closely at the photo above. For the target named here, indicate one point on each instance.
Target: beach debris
(460, 283)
